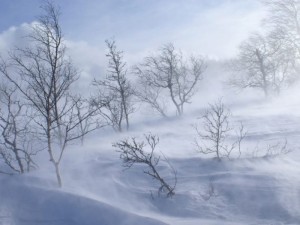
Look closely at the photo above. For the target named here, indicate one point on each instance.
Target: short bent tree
(168, 73)
(133, 152)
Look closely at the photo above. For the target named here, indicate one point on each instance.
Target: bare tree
(284, 20)
(133, 152)
(17, 142)
(271, 150)
(115, 90)
(215, 130)
(169, 72)
(271, 62)
(86, 115)
(263, 63)
(44, 74)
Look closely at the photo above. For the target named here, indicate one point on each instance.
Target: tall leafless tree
(169, 72)
(115, 90)
(44, 74)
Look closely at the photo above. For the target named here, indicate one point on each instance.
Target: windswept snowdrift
(260, 191)
(256, 189)
(23, 204)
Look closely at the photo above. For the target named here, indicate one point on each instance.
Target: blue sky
(209, 27)
(14, 12)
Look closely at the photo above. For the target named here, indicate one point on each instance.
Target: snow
(253, 189)
(31, 205)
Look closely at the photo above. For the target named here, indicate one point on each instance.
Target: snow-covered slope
(254, 189)
(23, 204)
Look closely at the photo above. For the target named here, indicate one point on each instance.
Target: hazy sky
(210, 27)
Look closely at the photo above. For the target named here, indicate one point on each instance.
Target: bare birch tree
(168, 73)
(214, 131)
(284, 20)
(43, 74)
(115, 90)
(263, 64)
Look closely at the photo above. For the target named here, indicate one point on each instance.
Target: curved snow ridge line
(29, 205)
(215, 176)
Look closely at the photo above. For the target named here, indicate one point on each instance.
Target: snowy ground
(97, 191)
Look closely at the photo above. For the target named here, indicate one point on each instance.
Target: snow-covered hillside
(253, 189)
(150, 112)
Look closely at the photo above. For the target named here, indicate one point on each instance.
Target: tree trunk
(58, 177)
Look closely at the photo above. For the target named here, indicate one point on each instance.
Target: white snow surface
(253, 189)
